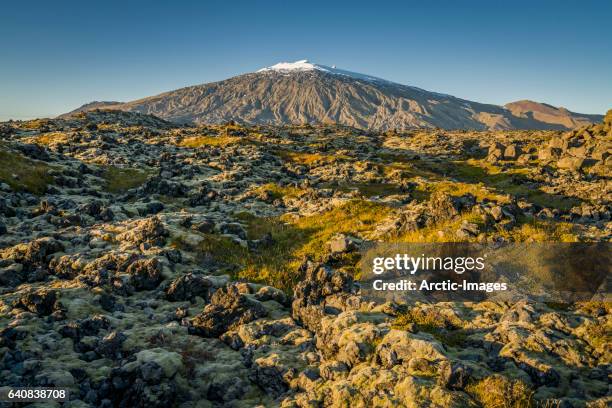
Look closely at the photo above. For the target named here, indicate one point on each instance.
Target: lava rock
(43, 302)
(110, 345)
(145, 274)
(187, 287)
(320, 281)
(228, 308)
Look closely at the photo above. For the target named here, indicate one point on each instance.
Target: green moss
(23, 174)
(367, 189)
(444, 328)
(559, 306)
(498, 391)
(192, 357)
(119, 180)
(278, 191)
(456, 188)
(396, 158)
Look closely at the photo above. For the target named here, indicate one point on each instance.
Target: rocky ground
(145, 264)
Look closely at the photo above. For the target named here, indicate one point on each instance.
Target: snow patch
(305, 65)
(301, 65)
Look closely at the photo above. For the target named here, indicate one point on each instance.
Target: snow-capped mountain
(305, 92)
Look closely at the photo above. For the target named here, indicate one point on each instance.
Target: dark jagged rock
(201, 196)
(34, 151)
(6, 209)
(85, 327)
(110, 345)
(42, 302)
(158, 185)
(153, 207)
(9, 337)
(187, 287)
(142, 385)
(309, 295)
(228, 308)
(145, 274)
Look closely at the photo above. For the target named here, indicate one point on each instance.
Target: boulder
(310, 295)
(43, 302)
(453, 375)
(35, 254)
(342, 243)
(110, 345)
(557, 143)
(467, 230)
(6, 209)
(496, 152)
(150, 231)
(145, 274)
(228, 309)
(570, 163)
(188, 287)
(86, 327)
(400, 347)
(549, 153)
(233, 228)
(512, 152)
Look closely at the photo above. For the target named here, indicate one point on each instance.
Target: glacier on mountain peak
(301, 65)
(305, 65)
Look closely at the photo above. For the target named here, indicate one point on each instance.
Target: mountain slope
(95, 105)
(549, 114)
(302, 92)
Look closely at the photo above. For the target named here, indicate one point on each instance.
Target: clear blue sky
(57, 55)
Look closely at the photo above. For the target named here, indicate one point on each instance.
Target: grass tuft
(293, 240)
(23, 174)
(308, 158)
(119, 180)
(278, 191)
(220, 141)
(47, 139)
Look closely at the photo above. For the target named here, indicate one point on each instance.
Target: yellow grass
(199, 141)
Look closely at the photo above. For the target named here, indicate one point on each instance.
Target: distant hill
(545, 113)
(94, 105)
(303, 92)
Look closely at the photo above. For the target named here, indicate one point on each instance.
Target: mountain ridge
(303, 92)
